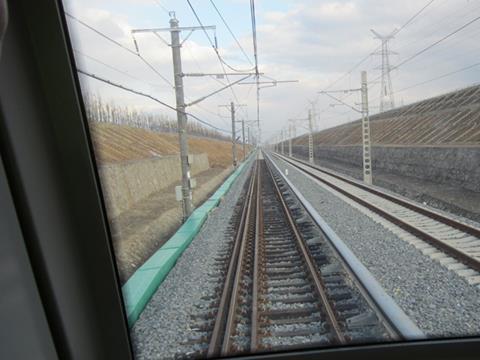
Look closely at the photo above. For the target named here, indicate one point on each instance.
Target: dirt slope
(117, 143)
(451, 119)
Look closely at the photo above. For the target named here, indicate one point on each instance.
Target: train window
(281, 176)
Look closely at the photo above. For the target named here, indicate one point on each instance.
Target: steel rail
(312, 268)
(407, 226)
(223, 320)
(397, 200)
(387, 307)
(259, 226)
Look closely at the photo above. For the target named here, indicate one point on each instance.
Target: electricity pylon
(387, 101)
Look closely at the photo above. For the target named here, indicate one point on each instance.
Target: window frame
(54, 183)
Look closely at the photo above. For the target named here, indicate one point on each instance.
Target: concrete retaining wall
(456, 166)
(126, 183)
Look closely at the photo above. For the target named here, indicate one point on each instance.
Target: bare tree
(98, 110)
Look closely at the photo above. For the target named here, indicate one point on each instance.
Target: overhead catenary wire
(114, 68)
(113, 41)
(214, 47)
(222, 62)
(231, 32)
(255, 56)
(254, 34)
(140, 93)
(161, 6)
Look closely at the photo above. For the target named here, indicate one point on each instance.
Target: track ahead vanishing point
(283, 285)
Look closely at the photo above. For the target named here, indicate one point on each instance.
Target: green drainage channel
(141, 286)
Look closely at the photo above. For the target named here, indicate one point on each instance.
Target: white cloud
(312, 41)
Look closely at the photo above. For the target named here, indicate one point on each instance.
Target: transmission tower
(386, 92)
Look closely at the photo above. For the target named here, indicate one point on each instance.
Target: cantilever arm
(340, 101)
(216, 91)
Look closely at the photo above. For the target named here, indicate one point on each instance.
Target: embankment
(139, 170)
(457, 166)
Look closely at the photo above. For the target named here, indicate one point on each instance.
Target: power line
(413, 17)
(121, 46)
(453, 55)
(214, 47)
(222, 63)
(111, 83)
(100, 33)
(231, 32)
(159, 4)
(440, 24)
(254, 34)
(408, 22)
(114, 68)
(405, 24)
(439, 77)
(418, 53)
(106, 65)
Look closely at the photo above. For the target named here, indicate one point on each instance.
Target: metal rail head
(390, 311)
(311, 267)
(432, 240)
(256, 266)
(220, 330)
(469, 229)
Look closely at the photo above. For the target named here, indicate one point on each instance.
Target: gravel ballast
(439, 301)
(164, 324)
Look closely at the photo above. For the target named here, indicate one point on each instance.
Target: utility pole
(365, 129)
(310, 137)
(176, 44)
(290, 140)
(367, 163)
(310, 132)
(283, 152)
(234, 133)
(243, 138)
(181, 117)
(234, 136)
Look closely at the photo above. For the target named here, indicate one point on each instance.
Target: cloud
(312, 41)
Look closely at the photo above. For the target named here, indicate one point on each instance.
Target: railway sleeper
(300, 332)
(299, 299)
(315, 318)
(290, 313)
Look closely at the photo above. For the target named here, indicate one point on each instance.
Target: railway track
(453, 243)
(283, 285)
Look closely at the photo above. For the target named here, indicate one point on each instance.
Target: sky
(313, 41)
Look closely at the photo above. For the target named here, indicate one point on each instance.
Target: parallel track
(458, 240)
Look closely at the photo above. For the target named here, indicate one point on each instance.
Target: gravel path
(164, 324)
(438, 300)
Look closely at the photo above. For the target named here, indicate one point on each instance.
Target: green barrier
(141, 286)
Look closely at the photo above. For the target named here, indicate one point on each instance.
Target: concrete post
(310, 137)
(243, 137)
(367, 161)
(234, 147)
(181, 118)
(290, 140)
(283, 145)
